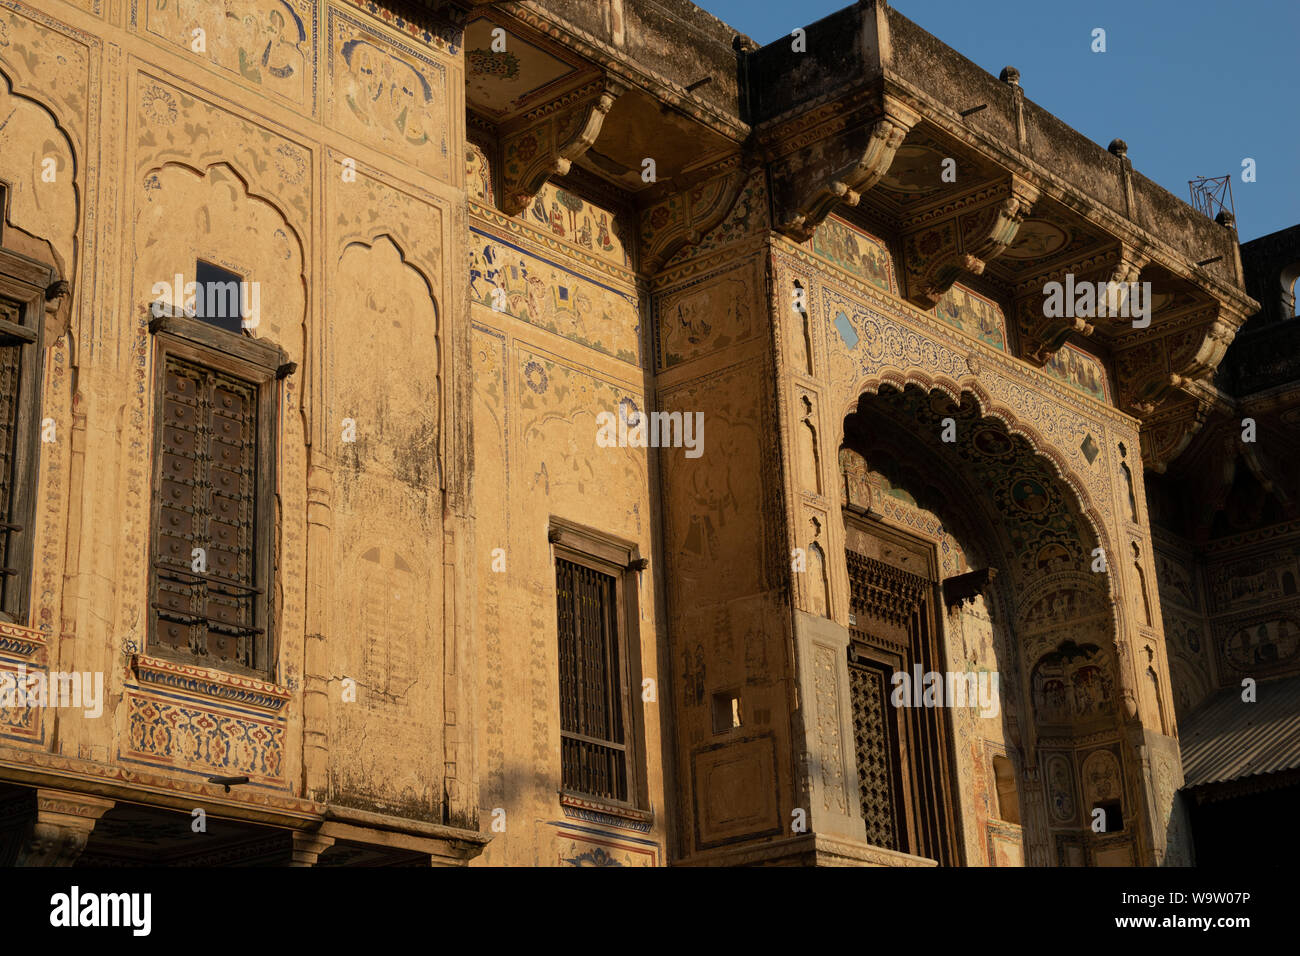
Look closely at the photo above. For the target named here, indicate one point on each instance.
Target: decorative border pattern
(193, 737)
(247, 691)
(592, 812)
(18, 640)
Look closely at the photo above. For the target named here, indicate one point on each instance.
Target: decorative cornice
(493, 220)
(964, 245)
(922, 321)
(834, 163)
(20, 641)
(594, 811)
(246, 691)
(616, 63)
(39, 768)
(687, 217)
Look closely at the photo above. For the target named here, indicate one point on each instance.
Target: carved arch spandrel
(50, 64)
(989, 408)
(685, 218)
(48, 211)
(218, 236)
(174, 126)
(407, 414)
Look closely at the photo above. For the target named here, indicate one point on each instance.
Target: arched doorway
(970, 553)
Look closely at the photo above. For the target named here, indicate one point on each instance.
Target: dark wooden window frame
(27, 283)
(925, 737)
(622, 561)
(262, 365)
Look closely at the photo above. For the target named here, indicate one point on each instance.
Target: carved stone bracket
(307, 847)
(685, 217)
(1151, 371)
(1165, 436)
(1124, 273)
(1041, 336)
(546, 141)
(49, 827)
(835, 160)
(940, 253)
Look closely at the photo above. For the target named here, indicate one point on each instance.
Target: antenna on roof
(1212, 195)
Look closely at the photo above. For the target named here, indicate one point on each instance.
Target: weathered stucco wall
(308, 147)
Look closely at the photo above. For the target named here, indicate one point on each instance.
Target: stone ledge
(596, 811)
(811, 849)
(246, 691)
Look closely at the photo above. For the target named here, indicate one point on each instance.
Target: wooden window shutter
(205, 554)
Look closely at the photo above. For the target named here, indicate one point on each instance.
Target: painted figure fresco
(974, 315)
(1078, 370)
(571, 217)
(853, 251)
(388, 94)
(268, 43)
(509, 280)
(1265, 644)
(1072, 683)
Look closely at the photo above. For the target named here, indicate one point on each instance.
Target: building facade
(556, 432)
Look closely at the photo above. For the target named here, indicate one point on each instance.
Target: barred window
(214, 453)
(595, 603)
(593, 753)
(25, 285)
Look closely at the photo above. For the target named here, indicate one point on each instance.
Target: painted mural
(1175, 581)
(1245, 582)
(574, 849)
(853, 251)
(974, 315)
(1263, 645)
(478, 175)
(508, 279)
(748, 217)
(502, 80)
(559, 213)
(1074, 682)
(267, 42)
(707, 314)
(388, 92)
(1079, 370)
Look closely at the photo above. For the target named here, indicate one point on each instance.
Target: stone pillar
(316, 668)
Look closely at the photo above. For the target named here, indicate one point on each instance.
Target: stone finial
(1119, 148)
(1010, 75)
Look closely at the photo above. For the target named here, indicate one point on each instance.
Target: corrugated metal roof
(1227, 738)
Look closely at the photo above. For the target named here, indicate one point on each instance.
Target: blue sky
(1193, 86)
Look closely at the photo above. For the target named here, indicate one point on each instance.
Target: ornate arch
(989, 407)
